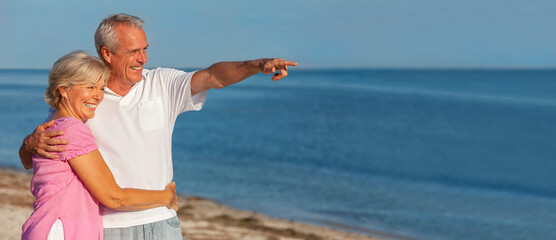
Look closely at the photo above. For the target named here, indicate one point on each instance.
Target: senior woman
(68, 190)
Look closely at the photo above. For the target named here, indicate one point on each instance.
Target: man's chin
(136, 77)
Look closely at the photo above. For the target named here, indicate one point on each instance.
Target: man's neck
(119, 87)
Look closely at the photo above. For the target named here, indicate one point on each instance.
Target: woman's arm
(98, 178)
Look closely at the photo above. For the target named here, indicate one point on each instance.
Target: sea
(390, 153)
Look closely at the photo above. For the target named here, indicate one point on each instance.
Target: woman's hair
(106, 31)
(73, 69)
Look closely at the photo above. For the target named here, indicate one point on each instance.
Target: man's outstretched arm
(41, 143)
(224, 74)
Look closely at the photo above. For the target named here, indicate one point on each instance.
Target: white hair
(106, 31)
(74, 69)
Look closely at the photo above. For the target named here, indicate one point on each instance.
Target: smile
(93, 106)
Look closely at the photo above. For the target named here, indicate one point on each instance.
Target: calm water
(418, 154)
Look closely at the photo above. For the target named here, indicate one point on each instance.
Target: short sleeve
(81, 140)
(178, 88)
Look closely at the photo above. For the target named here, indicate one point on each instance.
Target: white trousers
(57, 231)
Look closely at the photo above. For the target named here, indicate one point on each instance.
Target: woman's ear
(63, 92)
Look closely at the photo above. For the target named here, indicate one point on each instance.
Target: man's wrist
(26, 143)
(171, 194)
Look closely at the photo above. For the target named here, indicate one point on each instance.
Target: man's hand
(174, 203)
(271, 65)
(41, 142)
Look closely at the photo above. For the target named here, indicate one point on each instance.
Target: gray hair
(74, 69)
(106, 31)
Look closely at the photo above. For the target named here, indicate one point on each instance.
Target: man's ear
(106, 54)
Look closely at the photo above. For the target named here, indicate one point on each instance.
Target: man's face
(130, 57)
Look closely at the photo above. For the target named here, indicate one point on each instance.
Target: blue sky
(317, 34)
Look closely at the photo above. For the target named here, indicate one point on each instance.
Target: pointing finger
(288, 63)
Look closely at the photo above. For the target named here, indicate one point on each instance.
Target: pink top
(60, 193)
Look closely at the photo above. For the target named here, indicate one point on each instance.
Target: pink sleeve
(81, 140)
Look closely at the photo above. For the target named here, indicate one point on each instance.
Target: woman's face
(83, 99)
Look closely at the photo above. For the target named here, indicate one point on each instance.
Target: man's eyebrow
(137, 49)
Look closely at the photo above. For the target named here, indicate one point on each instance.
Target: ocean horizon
(411, 153)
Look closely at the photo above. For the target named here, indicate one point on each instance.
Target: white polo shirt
(134, 135)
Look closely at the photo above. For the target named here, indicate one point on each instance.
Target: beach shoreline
(200, 218)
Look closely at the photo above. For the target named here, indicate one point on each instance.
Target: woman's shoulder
(81, 140)
(66, 123)
(72, 127)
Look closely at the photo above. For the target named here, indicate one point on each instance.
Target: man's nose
(142, 58)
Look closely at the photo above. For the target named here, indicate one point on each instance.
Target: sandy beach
(200, 218)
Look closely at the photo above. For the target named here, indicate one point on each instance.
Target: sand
(200, 218)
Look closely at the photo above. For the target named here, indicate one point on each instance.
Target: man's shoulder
(164, 74)
(159, 70)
